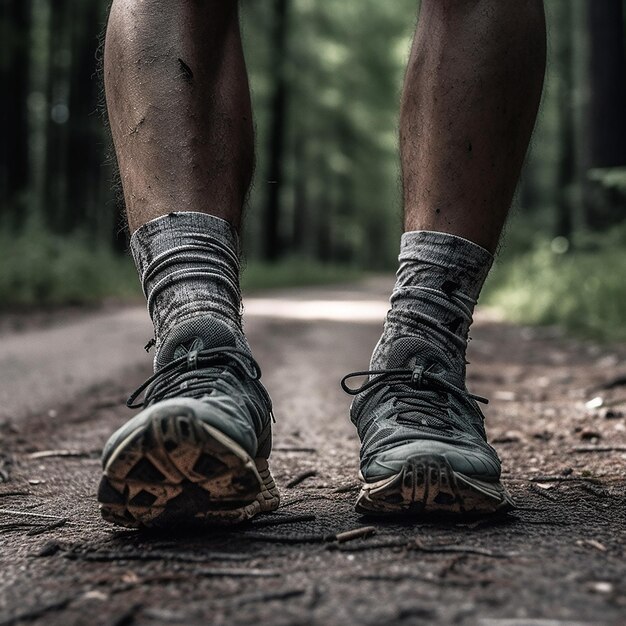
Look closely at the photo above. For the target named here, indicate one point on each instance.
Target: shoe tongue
(198, 333)
(408, 352)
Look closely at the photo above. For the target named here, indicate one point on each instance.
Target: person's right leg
(470, 99)
(179, 108)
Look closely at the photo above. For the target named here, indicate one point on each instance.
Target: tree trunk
(300, 198)
(273, 246)
(14, 72)
(84, 161)
(606, 119)
(59, 67)
(566, 166)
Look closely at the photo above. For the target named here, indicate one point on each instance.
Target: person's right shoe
(198, 452)
(424, 448)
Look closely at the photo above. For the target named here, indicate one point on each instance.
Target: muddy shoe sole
(428, 485)
(177, 470)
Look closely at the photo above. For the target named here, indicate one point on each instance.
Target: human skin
(179, 106)
(471, 94)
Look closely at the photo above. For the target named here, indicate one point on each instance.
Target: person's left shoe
(197, 454)
(424, 449)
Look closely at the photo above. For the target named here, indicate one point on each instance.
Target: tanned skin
(179, 106)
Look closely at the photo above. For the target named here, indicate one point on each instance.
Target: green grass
(295, 273)
(39, 270)
(582, 288)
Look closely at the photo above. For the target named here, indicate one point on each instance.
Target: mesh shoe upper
(201, 368)
(417, 405)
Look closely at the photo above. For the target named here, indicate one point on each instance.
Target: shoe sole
(177, 470)
(428, 485)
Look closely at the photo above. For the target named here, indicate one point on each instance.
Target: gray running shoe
(423, 443)
(198, 451)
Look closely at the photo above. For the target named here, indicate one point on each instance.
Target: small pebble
(50, 548)
(601, 586)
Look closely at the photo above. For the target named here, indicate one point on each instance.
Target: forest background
(325, 205)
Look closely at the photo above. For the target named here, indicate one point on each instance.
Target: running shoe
(423, 444)
(197, 452)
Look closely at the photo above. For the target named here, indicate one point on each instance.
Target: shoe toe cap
(221, 412)
(474, 463)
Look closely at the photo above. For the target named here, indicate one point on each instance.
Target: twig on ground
(594, 543)
(127, 617)
(486, 522)
(306, 499)
(31, 514)
(237, 573)
(300, 478)
(282, 519)
(355, 533)
(154, 556)
(275, 538)
(558, 479)
(204, 573)
(542, 492)
(14, 526)
(44, 529)
(14, 493)
(342, 537)
(266, 596)
(50, 548)
(399, 577)
(592, 449)
(418, 545)
(596, 490)
(618, 381)
(293, 449)
(544, 522)
(32, 614)
(46, 454)
(370, 545)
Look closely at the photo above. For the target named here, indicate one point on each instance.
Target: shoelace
(194, 374)
(421, 389)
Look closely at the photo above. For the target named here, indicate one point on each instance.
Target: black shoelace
(195, 375)
(419, 389)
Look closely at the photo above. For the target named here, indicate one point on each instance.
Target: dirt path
(559, 559)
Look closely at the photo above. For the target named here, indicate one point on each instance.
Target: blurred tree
(566, 170)
(273, 244)
(606, 119)
(326, 78)
(15, 19)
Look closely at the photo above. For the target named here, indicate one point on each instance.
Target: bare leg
(179, 106)
(470, 100)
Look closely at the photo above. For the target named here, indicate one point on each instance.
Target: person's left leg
(179, 107)
(470, 99)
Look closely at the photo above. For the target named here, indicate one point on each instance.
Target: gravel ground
(557, 559)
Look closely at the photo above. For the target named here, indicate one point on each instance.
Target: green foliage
(41, 269)
(610, 177)
(580, 287)
(295, 272)
(339, 183)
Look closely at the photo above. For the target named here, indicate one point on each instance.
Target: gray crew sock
(438, 283)
(188, 263)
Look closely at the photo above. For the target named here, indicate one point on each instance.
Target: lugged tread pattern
(178, 470)
(427, 485)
